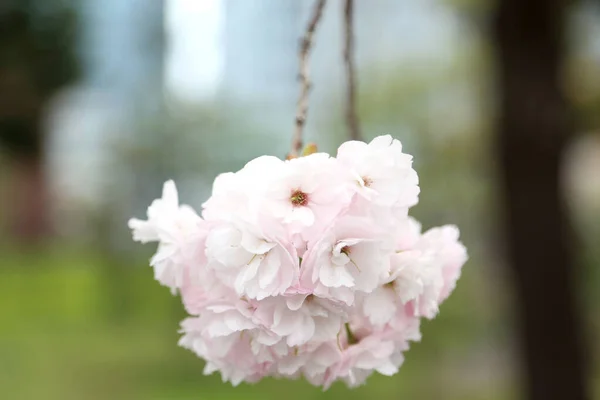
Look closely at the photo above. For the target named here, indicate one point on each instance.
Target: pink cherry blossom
(425, 273)
(180, 233)
(351, 256)
(383, 173)
(358, 361)
(258, 266)
(308, 193)
(305, 268)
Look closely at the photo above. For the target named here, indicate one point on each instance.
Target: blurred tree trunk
(533, 131)
(36, 60)
(21, 137)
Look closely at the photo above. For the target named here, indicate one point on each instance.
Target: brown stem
(351, 116)
(302, 106)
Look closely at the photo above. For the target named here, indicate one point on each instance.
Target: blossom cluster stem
(351, 115)
(302, 106)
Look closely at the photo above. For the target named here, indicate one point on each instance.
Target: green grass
(79, 327)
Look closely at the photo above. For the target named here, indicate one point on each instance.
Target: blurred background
(102, 101)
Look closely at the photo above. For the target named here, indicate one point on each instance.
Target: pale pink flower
(449, 252)
(231, 355)
(358, 361)
(310, 361)
(382, 173)
(180, 234)
(227, 197)
(351, 255)
(308, 193)
(300, 318)
(383, 309)
(206, 290)
(309, 267)
(257, 266)
(240, 195)
(380, 306)
(426, 274)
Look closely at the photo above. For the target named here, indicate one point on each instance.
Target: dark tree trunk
(36, 60)
(21, 137)
(534, 128)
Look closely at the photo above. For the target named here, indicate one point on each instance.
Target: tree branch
(351, 116)
(302, 106)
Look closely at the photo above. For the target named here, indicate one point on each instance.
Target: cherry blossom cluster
(308, 267)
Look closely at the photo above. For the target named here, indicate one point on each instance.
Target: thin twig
(351, 116)
(302, 106)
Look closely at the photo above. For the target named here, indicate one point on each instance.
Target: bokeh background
(101, 101)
